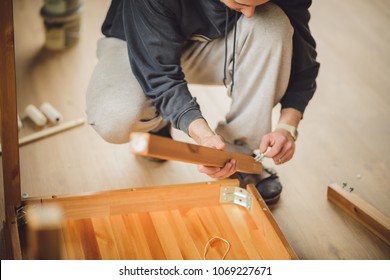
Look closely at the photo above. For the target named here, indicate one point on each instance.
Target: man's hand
(202, 134)
(281, 143)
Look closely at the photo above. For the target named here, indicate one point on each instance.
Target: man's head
(246, 7)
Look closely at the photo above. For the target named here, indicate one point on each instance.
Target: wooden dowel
(360, 210)
(49, 131)
(149, 145)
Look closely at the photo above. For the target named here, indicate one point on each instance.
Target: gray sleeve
(154, 46)
(304, 68)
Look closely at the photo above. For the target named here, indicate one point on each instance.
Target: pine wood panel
(166, 232)
(149, 145)
(362, 211)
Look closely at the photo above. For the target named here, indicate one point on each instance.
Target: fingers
(219, 172)
(215, 141)
(283, 157)
(282, 147)
(266, 142)
(284, 153)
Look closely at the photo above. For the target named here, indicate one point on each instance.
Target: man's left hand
(281, 146)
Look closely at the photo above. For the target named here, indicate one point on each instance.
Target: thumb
(220, 144)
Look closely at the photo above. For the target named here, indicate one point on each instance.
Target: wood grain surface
(149, 145)
(168, 222)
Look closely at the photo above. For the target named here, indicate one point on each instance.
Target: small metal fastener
(21, 215)
(259, 156)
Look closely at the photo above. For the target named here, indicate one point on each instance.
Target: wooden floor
(344, 136)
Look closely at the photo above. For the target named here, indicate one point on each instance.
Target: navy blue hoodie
(156, 31)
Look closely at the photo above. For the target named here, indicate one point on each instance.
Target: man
(262, 51)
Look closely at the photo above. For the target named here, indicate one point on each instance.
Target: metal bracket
(235, 195)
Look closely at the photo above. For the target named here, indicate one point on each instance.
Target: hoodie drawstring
(226, 49)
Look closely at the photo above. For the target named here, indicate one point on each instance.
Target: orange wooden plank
(64, 252)
(178, 232)
(266, 222)
(222, 221)
(149, 145)
(243, 227)
(361, 211)
(73, 246)
(124, 246)
(137, 237)
(265, 246)
(218, 247)
(196, 228)
(151, 237)
(167, 235)
(105, 238)
(88, 240)
(143, 199)
(185, 240)
(179, 237)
